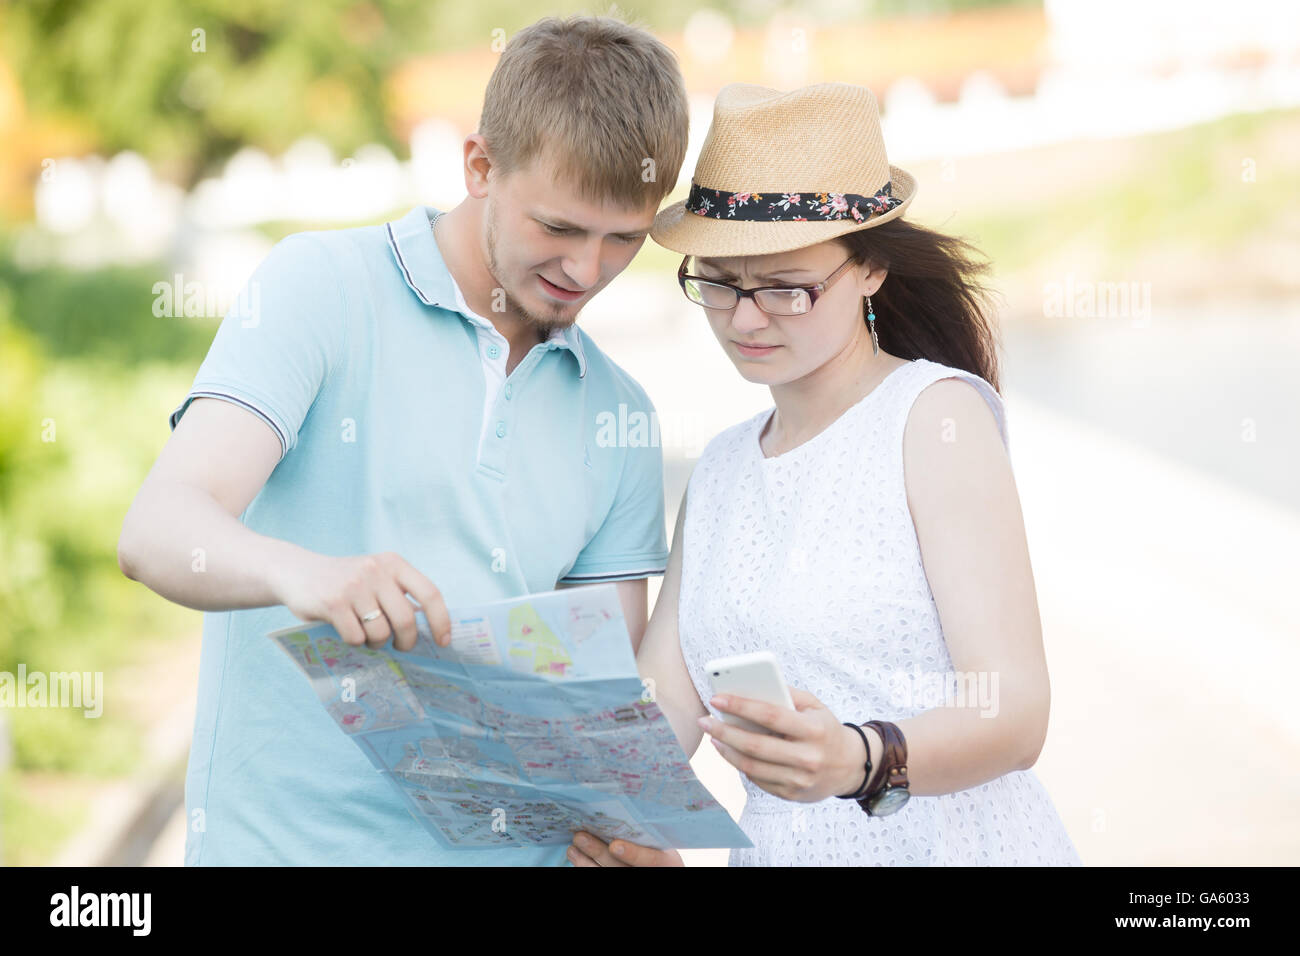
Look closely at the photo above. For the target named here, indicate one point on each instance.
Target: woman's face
(779, 349)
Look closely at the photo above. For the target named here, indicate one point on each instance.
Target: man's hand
(342, 591)
(814, 758)
(588, 850)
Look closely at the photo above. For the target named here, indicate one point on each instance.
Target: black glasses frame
(813, 291)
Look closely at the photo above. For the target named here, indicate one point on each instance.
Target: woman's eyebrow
(724, 274)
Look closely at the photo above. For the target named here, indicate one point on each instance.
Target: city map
(533, 724)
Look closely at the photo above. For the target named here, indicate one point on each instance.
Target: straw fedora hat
(781, 171)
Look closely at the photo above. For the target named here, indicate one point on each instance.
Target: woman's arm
(660, 660)
(964, 503)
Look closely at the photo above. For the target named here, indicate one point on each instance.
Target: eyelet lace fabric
(813, 555)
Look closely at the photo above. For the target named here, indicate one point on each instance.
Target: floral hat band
(827, 136)
(789, 206)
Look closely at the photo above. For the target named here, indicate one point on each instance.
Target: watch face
(890, 801)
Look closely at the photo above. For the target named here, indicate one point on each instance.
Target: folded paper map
(533, 724)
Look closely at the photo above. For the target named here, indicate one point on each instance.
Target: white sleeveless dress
(813, 555)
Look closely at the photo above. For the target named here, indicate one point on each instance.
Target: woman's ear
(870, 279)
(879, 277)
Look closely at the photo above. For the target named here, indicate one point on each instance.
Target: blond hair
(603, 98)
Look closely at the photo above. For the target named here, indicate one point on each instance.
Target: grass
(90, 375)
(1184, 192)
(38, 816)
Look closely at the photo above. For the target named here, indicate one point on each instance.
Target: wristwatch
(890, 793)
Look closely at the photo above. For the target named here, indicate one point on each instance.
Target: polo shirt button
(501, 429)
(509, 389)
(493, 351)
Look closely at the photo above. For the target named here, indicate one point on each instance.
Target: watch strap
(893, 760)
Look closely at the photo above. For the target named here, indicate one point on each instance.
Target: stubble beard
(544, 324)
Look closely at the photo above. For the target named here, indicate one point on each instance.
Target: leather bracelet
(862, 790)
(890, 794)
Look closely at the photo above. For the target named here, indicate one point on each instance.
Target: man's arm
(182, 538)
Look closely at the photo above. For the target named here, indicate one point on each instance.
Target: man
(409, 415)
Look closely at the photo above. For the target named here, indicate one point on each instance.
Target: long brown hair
(934, 303)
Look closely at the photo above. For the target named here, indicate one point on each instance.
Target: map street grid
(533, 724)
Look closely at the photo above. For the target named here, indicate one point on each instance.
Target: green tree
(188, 83)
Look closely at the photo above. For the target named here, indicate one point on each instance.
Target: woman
(866, 530)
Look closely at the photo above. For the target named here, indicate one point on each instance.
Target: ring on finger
(367, 618)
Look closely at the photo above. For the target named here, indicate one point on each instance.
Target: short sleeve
(280, 339)
(631, 543)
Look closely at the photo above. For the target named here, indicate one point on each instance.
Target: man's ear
(478, 164)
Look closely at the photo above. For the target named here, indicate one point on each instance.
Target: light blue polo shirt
(400, 431)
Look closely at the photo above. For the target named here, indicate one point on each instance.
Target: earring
(871, 324)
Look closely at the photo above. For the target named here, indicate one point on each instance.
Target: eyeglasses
(774, 300)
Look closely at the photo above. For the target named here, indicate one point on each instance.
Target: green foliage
(64, 739)
(104, 314)
(89, 378)
(1185, 192)
(32, 825)
(188, 82)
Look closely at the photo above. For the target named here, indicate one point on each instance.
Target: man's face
(551, 251)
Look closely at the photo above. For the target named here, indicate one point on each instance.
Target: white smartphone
(757, 676)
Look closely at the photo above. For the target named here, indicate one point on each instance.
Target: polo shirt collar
(417, 256)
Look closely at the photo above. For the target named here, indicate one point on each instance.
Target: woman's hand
(814, 758)
(588, 850)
